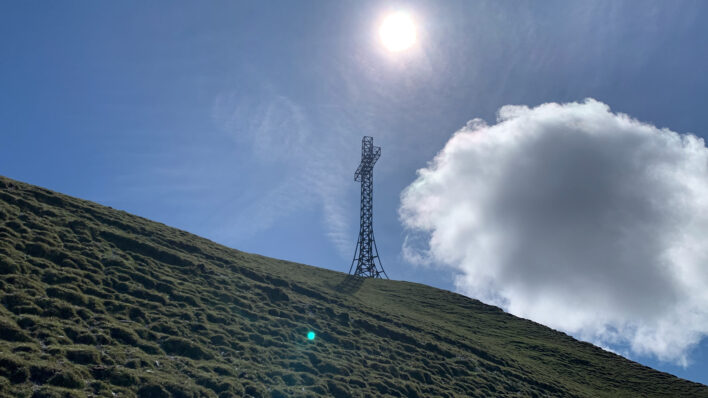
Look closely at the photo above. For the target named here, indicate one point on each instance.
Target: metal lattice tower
(366, 254)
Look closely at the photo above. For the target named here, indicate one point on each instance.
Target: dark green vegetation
(96, 301)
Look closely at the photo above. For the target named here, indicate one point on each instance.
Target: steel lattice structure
(366, 254)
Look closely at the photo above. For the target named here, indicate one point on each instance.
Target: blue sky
(241, 121)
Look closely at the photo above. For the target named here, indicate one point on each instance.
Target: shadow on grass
(350, 284)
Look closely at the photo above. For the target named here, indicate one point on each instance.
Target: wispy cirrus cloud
(273, 129)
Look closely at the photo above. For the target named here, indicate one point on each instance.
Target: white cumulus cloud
(579, 218)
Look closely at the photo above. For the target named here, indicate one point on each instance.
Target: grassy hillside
(97, 302)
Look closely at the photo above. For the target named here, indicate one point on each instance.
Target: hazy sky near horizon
(242, 121)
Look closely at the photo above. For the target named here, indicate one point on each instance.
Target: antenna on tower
(366, 254)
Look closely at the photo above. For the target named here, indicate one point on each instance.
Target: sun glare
(397, 32)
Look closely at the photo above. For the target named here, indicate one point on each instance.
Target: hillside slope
(97, 302)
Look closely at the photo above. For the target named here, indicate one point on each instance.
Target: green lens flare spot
(310, 335)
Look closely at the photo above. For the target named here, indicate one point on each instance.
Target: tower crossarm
(369, 155)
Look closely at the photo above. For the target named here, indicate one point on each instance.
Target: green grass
(97, 302)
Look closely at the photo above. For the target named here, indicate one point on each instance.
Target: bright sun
(397, 32)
